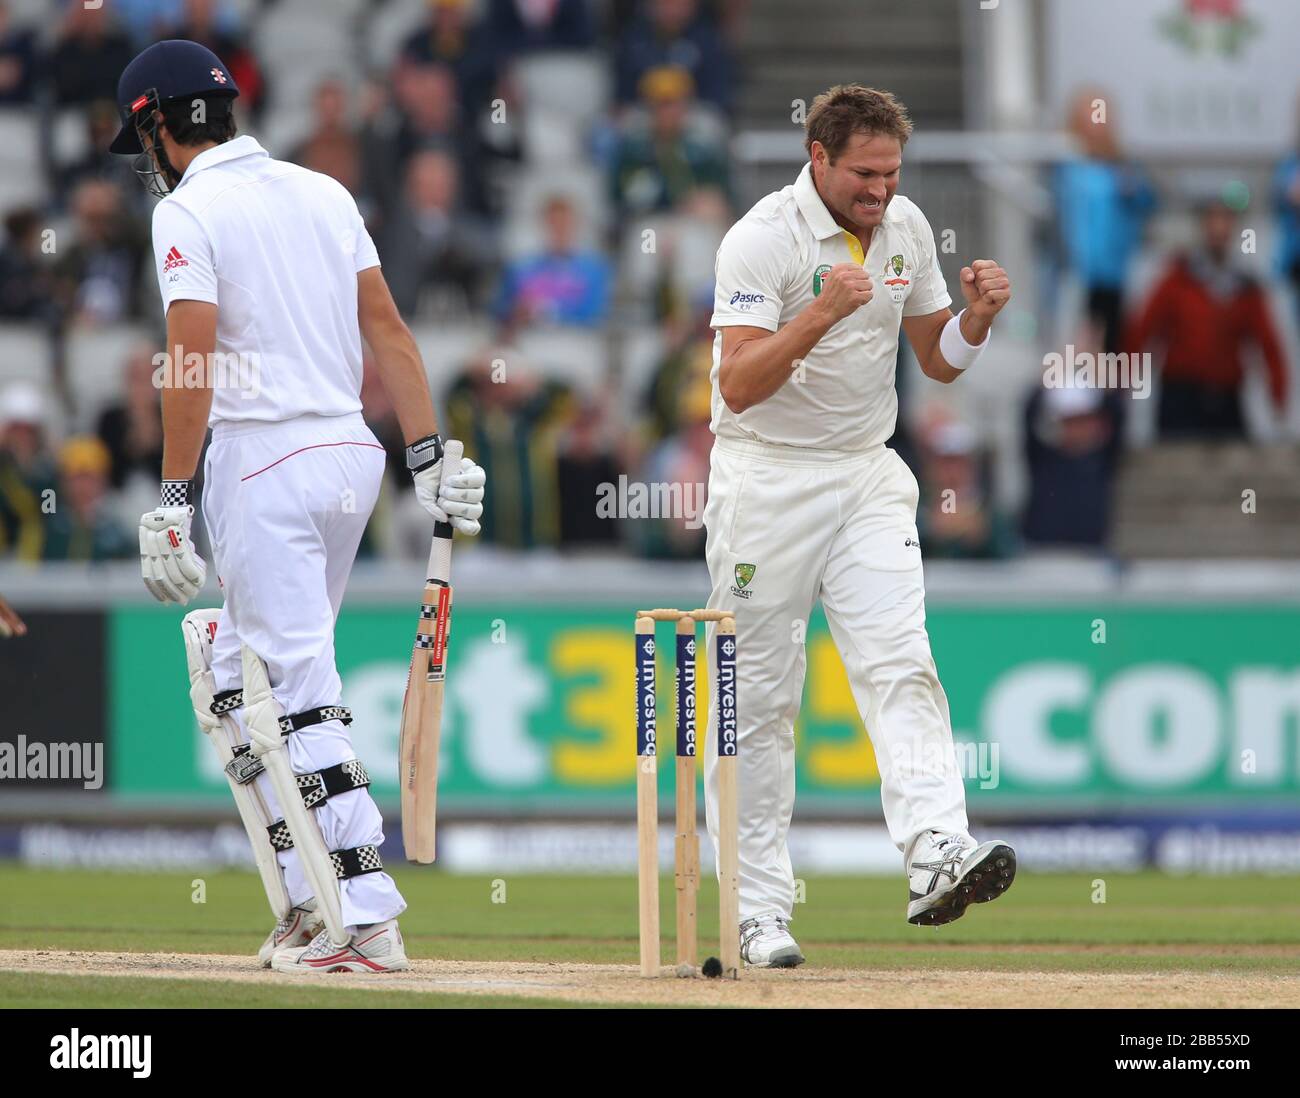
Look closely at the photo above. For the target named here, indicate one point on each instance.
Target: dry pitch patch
(810, 986)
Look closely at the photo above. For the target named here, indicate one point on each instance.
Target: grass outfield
(1244, 926)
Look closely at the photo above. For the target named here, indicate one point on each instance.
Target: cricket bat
(425, 682)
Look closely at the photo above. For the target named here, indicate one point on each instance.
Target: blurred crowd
(1206, 320)
(473, 165)
(435, 146)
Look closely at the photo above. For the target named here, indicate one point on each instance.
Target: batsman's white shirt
(277, 249)
(292, 472)
(805, 503)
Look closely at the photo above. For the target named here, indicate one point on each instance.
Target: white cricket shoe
(374, 948)
(949, 872)
(766, 942)
(298, 928)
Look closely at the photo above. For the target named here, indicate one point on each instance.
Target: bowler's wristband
(953, 346)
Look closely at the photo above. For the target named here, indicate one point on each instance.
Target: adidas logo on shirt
(175, 259)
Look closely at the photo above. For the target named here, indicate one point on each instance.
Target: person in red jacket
(1202, 317)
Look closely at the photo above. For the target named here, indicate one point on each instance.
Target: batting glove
(456, 498)
(460, 496)
(169, 565)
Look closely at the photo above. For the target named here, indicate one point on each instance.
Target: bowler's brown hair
(840, 112)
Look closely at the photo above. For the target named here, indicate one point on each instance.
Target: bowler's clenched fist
(845, 289)
(986, 288)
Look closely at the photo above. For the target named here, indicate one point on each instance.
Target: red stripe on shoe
(342, 957)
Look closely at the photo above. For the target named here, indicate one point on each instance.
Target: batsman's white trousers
(286, 504)
(840, 527)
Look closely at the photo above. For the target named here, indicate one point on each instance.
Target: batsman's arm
(191, 331)
(396, 355)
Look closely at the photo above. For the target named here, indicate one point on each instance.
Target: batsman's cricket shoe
(297, 928)
(374, 948)
(766, 942)
(947, 873)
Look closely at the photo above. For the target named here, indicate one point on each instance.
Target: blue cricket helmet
(172, 69)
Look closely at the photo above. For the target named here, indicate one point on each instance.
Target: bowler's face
(859, 185)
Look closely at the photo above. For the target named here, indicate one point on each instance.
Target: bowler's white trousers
(840, 527)
(286, 504)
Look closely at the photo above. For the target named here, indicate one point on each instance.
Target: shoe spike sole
(978, 885)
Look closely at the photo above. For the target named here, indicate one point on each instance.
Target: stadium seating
(25, 354)
(20, 153)
(1185, 500)
(95, 357)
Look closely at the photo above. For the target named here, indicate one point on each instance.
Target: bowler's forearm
(974, 329)
(758, 368)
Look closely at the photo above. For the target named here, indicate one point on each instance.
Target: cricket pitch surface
(622, 985)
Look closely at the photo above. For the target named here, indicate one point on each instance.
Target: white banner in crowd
(1183, 77)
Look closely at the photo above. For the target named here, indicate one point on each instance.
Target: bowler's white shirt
(277, 249)
(769, 269)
